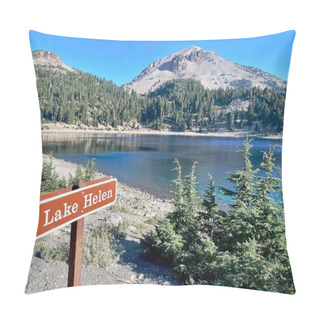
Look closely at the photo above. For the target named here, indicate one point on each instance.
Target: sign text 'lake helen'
(62, 207)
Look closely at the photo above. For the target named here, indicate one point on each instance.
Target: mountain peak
(208, 67)
(189, 50)
(48, 59)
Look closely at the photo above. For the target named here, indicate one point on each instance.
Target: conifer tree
(270, 226)
(90, 171)
(230, 117)
(79, 174)
(257, 235)
(207, 219)
(177, 216)
(191, 227)
(63, 183)
(49, 177)
(242, 215)
(250, 114)
(244, 180)
(190, 191)
(163, 245)
(70, 180)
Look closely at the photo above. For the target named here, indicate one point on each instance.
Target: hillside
(70, 96)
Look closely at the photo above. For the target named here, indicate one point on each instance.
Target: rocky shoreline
(134, 209)
(140, 202)
(57, 128)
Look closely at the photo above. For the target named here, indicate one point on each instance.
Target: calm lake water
(146, 161)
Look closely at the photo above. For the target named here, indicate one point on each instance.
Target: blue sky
(121, 61)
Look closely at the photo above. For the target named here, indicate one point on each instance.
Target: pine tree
(191, 227)
(190, 191)
(230, 117)
(212, 214)
(63, 183)
(49, 177)
(177, 216)
(270, 225)
(249, 268)
(162, 245)
(244, 180)
(90, 171)
(183, 217)
(202, 263)
(79, 174)
(70, 180)
(257, 235)
(242, 214)
(250, 114)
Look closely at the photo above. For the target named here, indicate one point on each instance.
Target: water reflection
(146, 161)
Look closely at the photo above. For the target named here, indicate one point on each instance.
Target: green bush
(162, 245)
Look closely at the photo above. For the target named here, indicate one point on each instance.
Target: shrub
(51, 253)
(99, 248)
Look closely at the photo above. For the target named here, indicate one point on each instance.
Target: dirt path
(130, 269)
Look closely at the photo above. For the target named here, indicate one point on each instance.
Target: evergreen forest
(84, 99)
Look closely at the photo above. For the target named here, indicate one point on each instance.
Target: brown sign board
(62, 207)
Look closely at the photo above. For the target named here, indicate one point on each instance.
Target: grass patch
(154, 220)
(143, 228)
(124, 209)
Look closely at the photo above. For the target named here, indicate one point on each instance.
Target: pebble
(132, 229)
(133, 278)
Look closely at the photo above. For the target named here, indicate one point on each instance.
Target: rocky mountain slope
(49, 60)
(208, 67)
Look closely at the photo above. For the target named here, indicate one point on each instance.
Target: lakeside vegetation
(179, 105)
(244, 247)
(50, 180)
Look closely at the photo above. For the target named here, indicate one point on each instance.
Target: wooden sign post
(71, 205)
(76, 244)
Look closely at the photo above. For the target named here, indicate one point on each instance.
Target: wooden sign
(65, 206)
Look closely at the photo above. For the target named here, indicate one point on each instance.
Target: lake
(146, 161)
